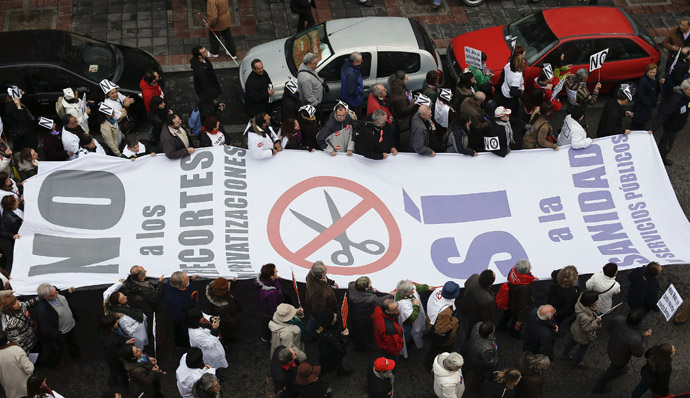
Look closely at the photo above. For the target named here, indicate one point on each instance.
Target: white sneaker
(228, 54)
(212, 55)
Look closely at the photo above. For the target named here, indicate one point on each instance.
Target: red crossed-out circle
(369, 202)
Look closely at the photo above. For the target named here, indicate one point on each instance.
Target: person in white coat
(572, 133)
(448, 380)
(411, 314)
(262, 141)
(604, 283)
(191, 368)
(132, 321)
(15, 368)
(75, 106)
(203, 333)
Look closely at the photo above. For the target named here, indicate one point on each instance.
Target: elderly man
(501, 136)
(576, 88)
(180, 298)
(258, 90)
(362, 298)
(448, 380)
(378, 100)
(519, 297)
(56, 326)
(421, 128)
(441, 323)
(208, 386)
(480, 123)
(375, 141)
(15, 368)
(673, 116)
(352, 87)
(541, 331)
(310, 85)
(174, 138)
(320, 296)
(387, 331)
(677, 38)
(145, 294)
(337, 134)
(284, 369)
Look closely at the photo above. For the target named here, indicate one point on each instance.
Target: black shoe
(668, 162)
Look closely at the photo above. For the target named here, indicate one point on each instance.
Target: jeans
(581, 351)
(407, 332)
(640, 389)
(611, 373)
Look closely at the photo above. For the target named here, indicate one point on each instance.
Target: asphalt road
(249, 358)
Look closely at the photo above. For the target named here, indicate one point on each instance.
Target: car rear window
(642, 31)
(423, 39)
(533, 33)
(313, 41)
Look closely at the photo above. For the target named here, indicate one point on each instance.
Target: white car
(387, 45)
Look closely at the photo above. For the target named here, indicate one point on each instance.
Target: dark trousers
(666, 142)
(266, 334)
(611, 373)
(117, 375)
(306, 20)
(54, 352)
(181, 334)
(227, 38)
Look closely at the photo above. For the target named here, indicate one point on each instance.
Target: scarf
(134, 313)
(509, 130)
(181, 134)
(436, 304)
(516, 278)
(386, 375)
(305, 334)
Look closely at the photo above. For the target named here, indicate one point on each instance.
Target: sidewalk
(170, 28)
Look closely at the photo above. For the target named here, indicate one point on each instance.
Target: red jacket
(148, 91)
(387, 332)
(373, 104)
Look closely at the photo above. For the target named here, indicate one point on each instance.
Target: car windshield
(88, 58)
(533, 33)
(314, 41)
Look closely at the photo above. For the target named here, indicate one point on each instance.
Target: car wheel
(472, 3)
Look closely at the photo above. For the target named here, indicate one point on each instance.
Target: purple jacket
(270, 295)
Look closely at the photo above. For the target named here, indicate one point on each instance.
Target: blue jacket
(352, 86)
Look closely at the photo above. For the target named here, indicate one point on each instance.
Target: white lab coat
(74, 109)
(214, 353)
(418, 326)
(133, 329)
(70, 142)
(260, 147)
(186, 377)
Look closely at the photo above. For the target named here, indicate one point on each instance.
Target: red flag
(294, 285)
(344, 310)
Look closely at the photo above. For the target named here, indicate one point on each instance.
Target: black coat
(611, 122)
(645, 99)
(172, 146)
(644, 290)
(227, 308)
(205, 140)
(146, 298)
(157, 118)
(283, 379)
(494, 389)
(289, 107)
(562, 299)
(478, 304)
(18, 122)
(532, 383)
(317, 389)
(204, 76)
(53, 149)
(624, 342)
(658, 380)
(332, 349)
(674, 113)
(207, 109)
(301, 6)
(499, 132)
(377, 387)
(112, 344)
(367, 141)
(256, 93)
(539, 336)
(47, 320)
(11, 222)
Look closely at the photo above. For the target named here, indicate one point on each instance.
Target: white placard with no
(597, 60)
(473, 57)
(670, 302)
(558, 88)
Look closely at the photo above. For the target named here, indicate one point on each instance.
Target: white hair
(44, 289)
(523, 266)
(308, 58)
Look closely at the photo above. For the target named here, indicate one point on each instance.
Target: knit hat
(383, 365)
(610, 269)
(306, 373)
(450, 290)
(284, 312)
(220, 286)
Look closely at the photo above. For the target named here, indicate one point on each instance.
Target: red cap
(382, 364)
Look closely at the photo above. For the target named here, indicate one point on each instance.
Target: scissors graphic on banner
(343, 256)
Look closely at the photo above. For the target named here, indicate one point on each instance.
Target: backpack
(502, 297)
(195, 121)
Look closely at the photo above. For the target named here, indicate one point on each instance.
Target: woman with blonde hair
(532, 368)
(563, 294)
(502, 384)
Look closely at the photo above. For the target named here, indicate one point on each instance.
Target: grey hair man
(320, 296)
(421, 127)
(519, 297)
(362, 298)
(180, 298)
(309, 84)
(375, 140)
(352, 85)
(284, 367)
(576, 88)
(207, 386)
(541, 331)
(56, 325)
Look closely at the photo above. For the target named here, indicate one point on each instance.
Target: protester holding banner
(541, 135)
(145, 294)
(262, 141)
(646, 97)
(18, 322)
(375, 140)
(673, 116)
(132, 321)
(337, 134)
(180, 298)
(458, 140)
(573, 132)
(362, 298)
(270, 295)
(174, 139)
(611, 122)
(501, 135)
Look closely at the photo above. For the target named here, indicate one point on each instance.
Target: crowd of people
(456, 327)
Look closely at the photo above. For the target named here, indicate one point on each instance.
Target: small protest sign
(473, 57)
(670, 302)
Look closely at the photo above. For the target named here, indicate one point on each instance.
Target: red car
(576, 32)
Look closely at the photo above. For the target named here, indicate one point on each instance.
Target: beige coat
(584, 328)
(111, 137)
(218, 14)
(15, 369)
(285, 334)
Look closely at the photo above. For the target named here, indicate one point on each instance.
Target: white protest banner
(597, 60)
(548, 71)
(558, 88)
(220, 212)
(669, 302)
(473, 57)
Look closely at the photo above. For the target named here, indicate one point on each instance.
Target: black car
(44, 62)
